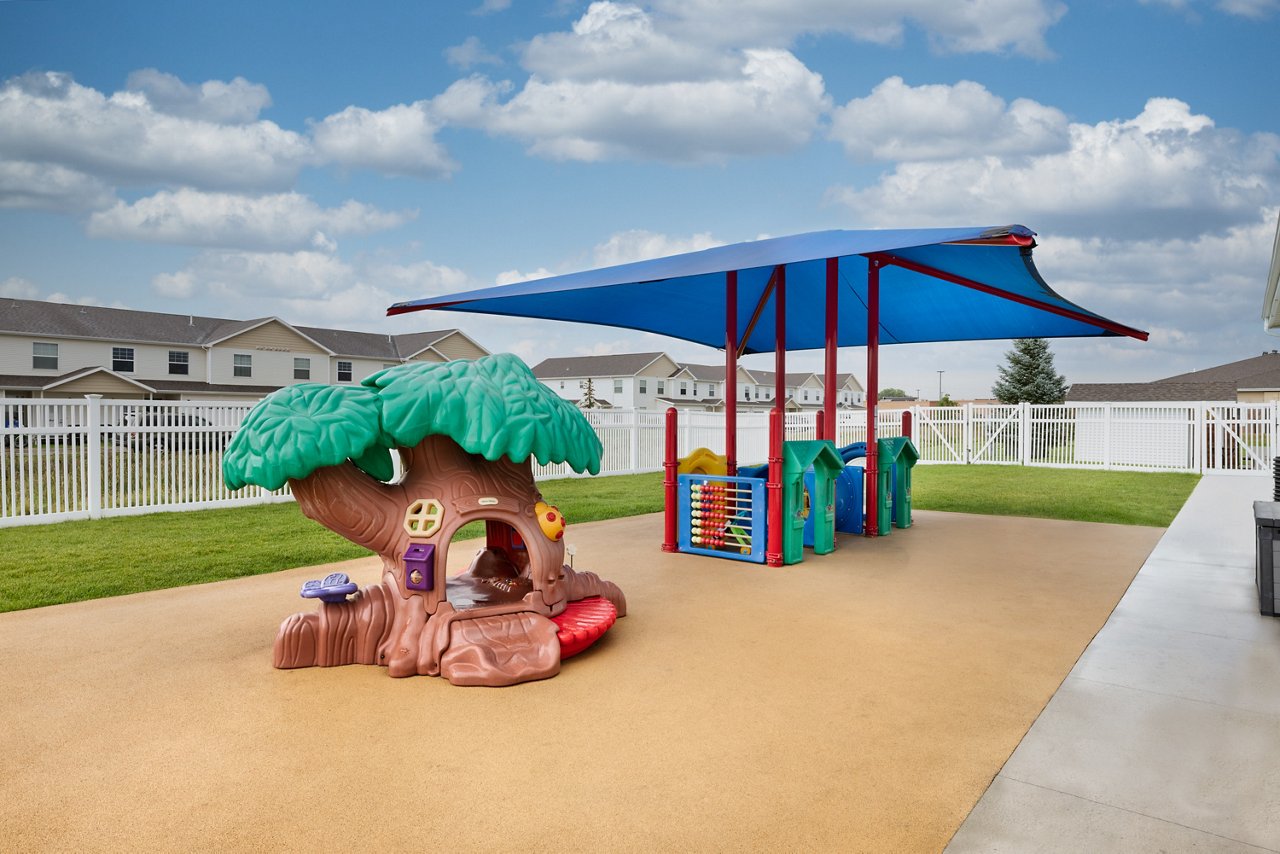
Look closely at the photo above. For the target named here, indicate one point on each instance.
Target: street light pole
(940, 373)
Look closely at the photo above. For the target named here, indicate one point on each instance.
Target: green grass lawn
(1121, 497)
(72, 561)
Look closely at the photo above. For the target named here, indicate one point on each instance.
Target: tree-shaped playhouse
(465, 432)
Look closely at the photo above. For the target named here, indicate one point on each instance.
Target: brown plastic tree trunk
(413, 631)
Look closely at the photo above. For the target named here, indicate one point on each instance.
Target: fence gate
(995, 434)
(1239, 437)
(940, 434)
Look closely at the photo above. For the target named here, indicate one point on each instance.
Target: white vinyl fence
(89, 458)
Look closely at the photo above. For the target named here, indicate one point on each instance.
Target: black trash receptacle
(1266, 517)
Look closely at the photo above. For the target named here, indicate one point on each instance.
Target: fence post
(1024, 433)
(1106, 437)
(967, 429)
(635, 441)
(1197, 429)
(93, 483)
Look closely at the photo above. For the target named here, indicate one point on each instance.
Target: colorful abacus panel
(722, 516)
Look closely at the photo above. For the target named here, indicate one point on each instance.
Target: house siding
(456, 346)
(273, 349)
(107, 386)
(15, 355)
(360, 368)
(272, 336)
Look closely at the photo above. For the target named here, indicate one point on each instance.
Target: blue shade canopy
(936, 284)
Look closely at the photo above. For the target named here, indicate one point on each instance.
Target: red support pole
(829, 393)
(777, 418)
(669, 465)
(773, 490)
(731, 371)
(906, 423)
(872, 527)
(820, 417)
(780, 341)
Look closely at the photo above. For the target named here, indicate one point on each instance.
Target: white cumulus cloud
(620, 41)
(47, 186)
(934, 122)
(308, 287)
(1166, 172)
(234, 102)
(16, 287)
(47, 118)
(773, 105)
(277, 221)
(952, 26)
(470, 53)
(253, 275)
(640, 245)
(399, 140)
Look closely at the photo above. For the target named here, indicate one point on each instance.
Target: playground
(706, 719)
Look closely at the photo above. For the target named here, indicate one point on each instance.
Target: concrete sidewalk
(1166, 734)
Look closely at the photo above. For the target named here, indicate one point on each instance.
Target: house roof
(769, 377)
(618, 365)
(1232, 371)
(1157, 391)
(64, 320)
(21, 382)
(705, 373)
(373, 345)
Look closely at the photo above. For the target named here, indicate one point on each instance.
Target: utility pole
(940, 373)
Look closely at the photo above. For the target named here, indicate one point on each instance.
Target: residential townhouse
(63, 350)
(624, 381)
(655, 381)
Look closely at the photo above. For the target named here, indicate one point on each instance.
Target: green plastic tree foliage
(1029, 375)
(493, 407)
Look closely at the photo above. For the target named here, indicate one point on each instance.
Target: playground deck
(862, 700)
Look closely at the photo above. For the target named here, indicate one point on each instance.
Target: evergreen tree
(589, 399)
(1029, 376)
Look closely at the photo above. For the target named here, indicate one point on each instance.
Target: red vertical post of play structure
(773, 553)
(906, 423)
(669, 483)
(871, 527)
(821, 426)
(829, 393)
(731, 371)
(773, 489)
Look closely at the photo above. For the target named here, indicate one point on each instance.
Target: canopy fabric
(989, 289)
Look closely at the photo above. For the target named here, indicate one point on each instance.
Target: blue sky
(318, 161)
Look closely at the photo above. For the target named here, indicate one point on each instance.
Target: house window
(562, 385)
(242, 365)
(302, 369)
(44, 356)
(711, 389)
(617, 386)
(344, 372)
(684, 389)
(662, 387)
(746, 392)
(644, 386)
(179, 362)
(806, 394)
(122, 359)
